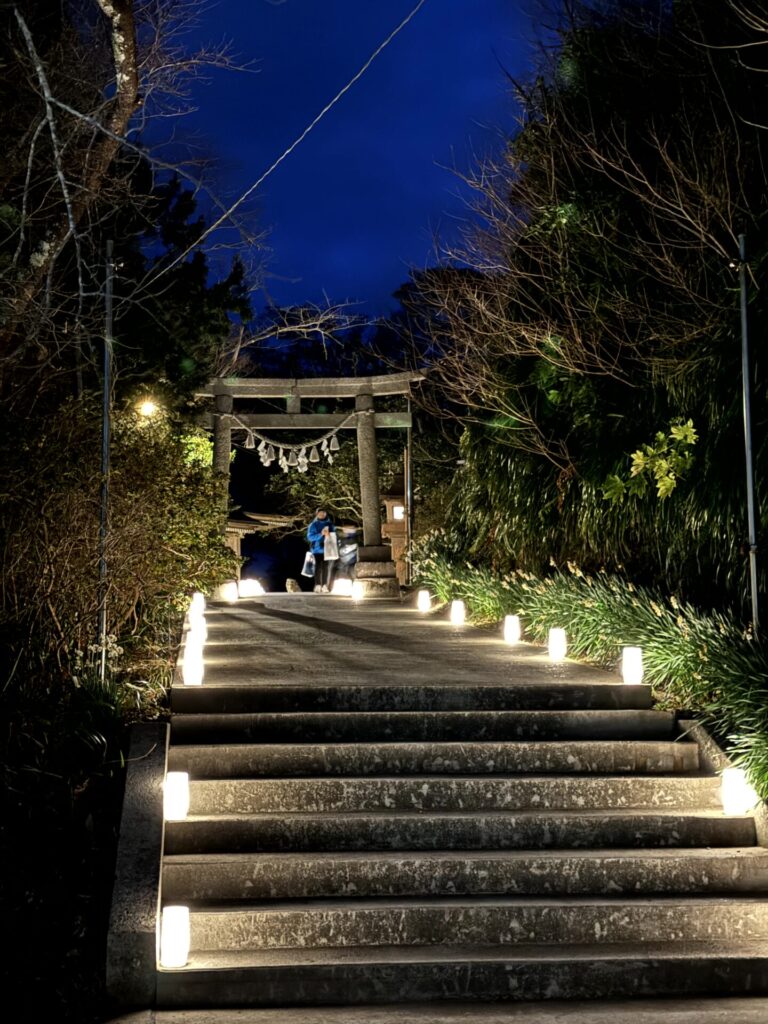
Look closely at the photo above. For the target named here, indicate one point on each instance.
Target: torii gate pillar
(222, 438)
(369, 470)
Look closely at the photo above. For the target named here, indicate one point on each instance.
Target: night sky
(360, 201)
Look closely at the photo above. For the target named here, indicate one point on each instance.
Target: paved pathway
(322, 638)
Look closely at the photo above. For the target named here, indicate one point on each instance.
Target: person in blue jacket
(317, 531)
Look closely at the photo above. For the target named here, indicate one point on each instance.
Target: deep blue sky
(359, 202)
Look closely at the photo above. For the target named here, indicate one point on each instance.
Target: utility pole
(106, 429)
(748, 433)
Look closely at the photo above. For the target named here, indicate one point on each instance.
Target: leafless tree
(604, 241)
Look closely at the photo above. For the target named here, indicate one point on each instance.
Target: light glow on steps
(197, 605)
(358, 590)
(557, 644)
(197, 632)
(737, 794)
(176, 796)
(174, 937)
(228, 592)
(512, 629)
(458, 613)
(250, 588)
(192, 671)
(632, 665)
(424, 601)
(342, 588)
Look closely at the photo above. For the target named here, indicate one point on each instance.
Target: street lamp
(148, 408)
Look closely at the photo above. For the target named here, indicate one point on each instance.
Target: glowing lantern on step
(198, 631)
(736, 793)
(423, 601)
(249, 588)
(512, 629)
(632, 665)
(192, 664)
(228, 592)
(398, 512)
(342, 588)
(458, 613)
(358, 590)
(176, 796)
(557, 644)
(197, 605)
(174, 937)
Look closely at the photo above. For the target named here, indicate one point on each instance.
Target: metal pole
(748, 433)
(106, 417)
(408, 497)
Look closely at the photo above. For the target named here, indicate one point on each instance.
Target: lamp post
(106, 427)
(748, 432)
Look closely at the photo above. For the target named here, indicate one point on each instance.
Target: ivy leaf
(665, 485)
(639, 461)
(613, 489)
(685, 433)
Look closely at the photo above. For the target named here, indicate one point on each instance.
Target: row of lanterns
(557, 642)
(737, 795)
(174, 924)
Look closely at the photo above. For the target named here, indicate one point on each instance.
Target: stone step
(434, 830)
(418, 726)
(460, 793)
(629, 1011)
(217, 877)
(464, 921)
(225, 697)
(427, 974)
(479, 758)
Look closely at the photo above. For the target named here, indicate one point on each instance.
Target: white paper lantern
(557, 644)
(737, 795)
(227, 592)
(176, 796)
(174, 937)
(632, 665)
(424, 601)
(249, 588)
(192, 671)
(458, 613)
(197, 630)
(512, 629)
(358, 590)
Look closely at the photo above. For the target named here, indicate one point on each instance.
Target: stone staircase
(385, 810)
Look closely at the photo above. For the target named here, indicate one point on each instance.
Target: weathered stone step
(418, 726)
(422, 830)
(464, 921)
(599, 756)
(426, 974)
(255, 876)
(248, 697)
(633, 1011)
(459, 793)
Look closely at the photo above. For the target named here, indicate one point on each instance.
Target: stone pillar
(222, 434)
(222, 449)
(369, 470)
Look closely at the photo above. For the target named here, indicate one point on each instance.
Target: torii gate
(374, 564)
